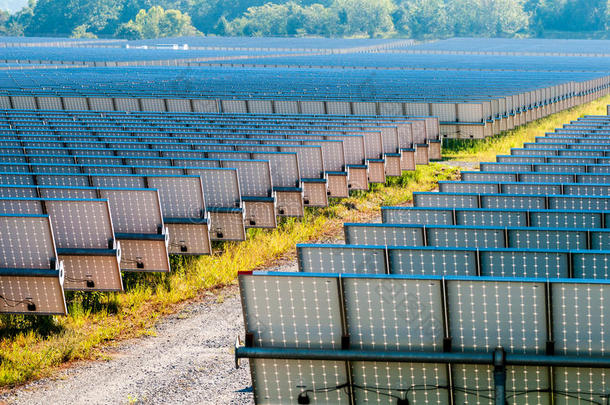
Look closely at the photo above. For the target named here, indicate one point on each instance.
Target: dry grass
(32, 347)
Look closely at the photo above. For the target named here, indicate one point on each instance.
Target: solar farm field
(138, 175)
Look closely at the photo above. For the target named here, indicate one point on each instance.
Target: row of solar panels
(243, 44)
(435, 316)
(469, 120)
(512, 46)
(514, 259)
(157, 192)
(479, 104)
(395, 132)
(391, 59)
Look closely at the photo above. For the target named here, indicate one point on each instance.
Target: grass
(33, 347)
(485, 150)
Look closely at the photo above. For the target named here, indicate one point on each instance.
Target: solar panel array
(126, 189)
(514, 47)
(469, 104)
(107, 168)
(514, 256)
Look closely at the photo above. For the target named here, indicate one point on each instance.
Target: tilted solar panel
(31, 276)
(136, 218)
(85, 240)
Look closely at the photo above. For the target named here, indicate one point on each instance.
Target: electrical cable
(467, 391)
(11, 303)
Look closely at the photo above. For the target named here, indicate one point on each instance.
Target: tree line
(420, 19)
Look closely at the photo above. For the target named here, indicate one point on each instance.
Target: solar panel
(578, 203)
(489, 176)
(487, 314)
(590, 383)
(292, 312)
(31, 277)
(490, 218)
(87, 228)
(384, 379)
(523, 202)
(445, 200)
(540, 238)
(432, 261)
(281, 381)
(529, 382)
(225, 224)
(136, 218)
(591, 265)
(549, 219)
(341, 259)
(376, 234)
(389, 313)
(467, 187)
(402, 215)
(464, 237)
(394, 314)
(578, 311)
(522, 263)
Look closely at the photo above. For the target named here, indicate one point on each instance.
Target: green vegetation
(157, 23)
(32, 347)
(334, 18)
(485, 150)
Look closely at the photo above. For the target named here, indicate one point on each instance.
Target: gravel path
(189, 361)
(462, 165)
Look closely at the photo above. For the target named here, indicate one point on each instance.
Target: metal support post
(499, 359)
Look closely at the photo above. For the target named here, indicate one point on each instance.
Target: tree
(488, 18)
(157, 23)
(422, 18)
(290, 19)
(61, 17)
(369, 17)
(81, 32)
(267, 20)
(128, 31)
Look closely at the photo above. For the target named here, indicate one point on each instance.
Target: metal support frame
(498, 359)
